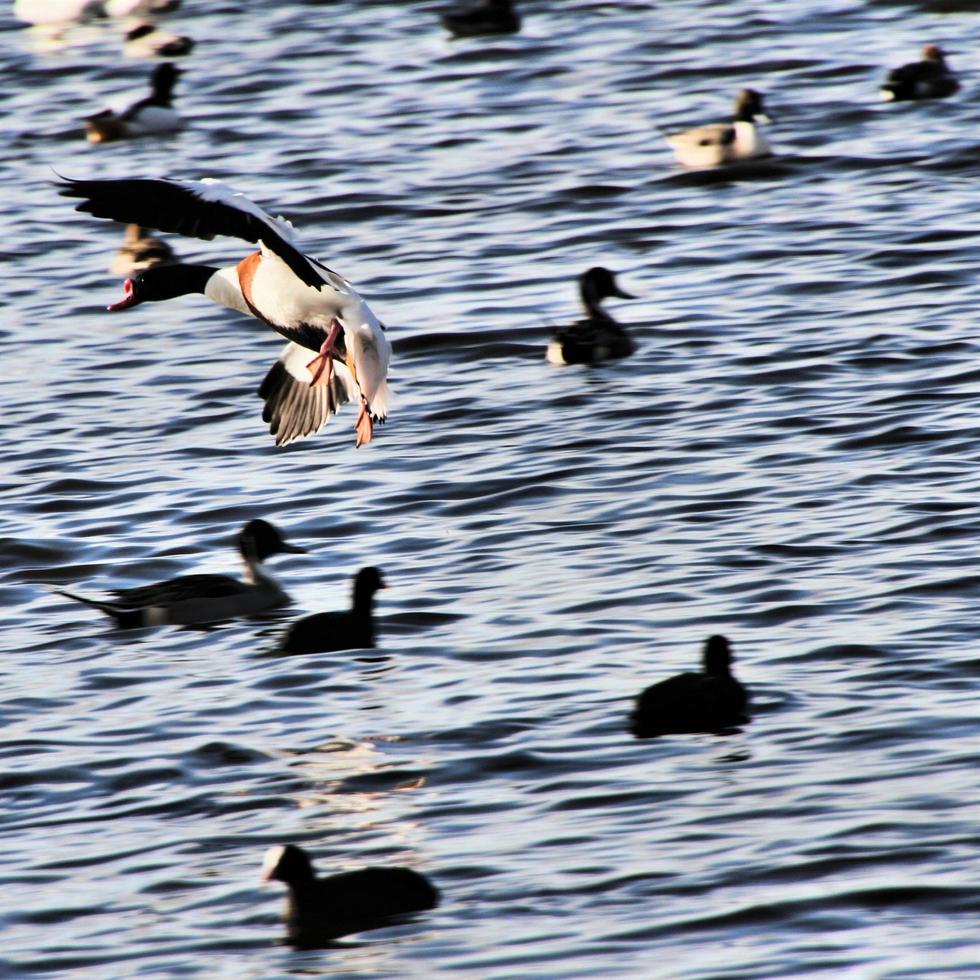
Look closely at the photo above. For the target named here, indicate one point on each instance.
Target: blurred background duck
(597, 337)
(153, 114)
(146, 40)
(926, 79)
(711, 701)
(720, 143)
(140, 251)
(489, 17)
(190, 600)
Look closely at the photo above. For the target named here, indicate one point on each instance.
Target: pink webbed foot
(324, 360)
(364, 427)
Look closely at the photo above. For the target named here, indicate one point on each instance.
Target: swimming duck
(350, 630)
(140, 251)
(741, 139)
(154, 114)
(490, 17)
(146, 40)
(321, 909)
(598, 337)
(926, 79)
(693, 702)
(299, 297)
(193, 599)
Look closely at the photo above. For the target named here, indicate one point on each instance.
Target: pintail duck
(926, 79)
(350, 630)
(711, 701)
(154, 114)
(146, 40)
(720, 143)
(140, 251)
(299, 297)
(194, 599)
(321, 909)
(489, 17)
(598, 337)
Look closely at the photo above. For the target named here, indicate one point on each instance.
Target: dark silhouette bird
(489, 17)
(154, 114)
(192, 599)
(597, 337)
(350, 630)
(926, 79)
(693, 702)
(321, 909)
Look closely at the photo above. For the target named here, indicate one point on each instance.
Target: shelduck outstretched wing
(194, 208)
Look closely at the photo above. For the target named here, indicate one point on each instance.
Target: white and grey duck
(720, 143)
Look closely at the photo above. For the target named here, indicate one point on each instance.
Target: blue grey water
(790, 459)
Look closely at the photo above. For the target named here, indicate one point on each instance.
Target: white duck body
(305, 315)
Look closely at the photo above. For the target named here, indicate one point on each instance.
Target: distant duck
(350, 630)
(321, 909)
(193, 599)
(154, 114)
(720, 143)
(140, 8)
(140, 251)
(693, 702)
(57, 11)
(926, 79)
(490, 17)
(338, 350)
(598, 337)
(146, 40)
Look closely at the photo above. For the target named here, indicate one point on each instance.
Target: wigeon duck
(193, 599)
(712, 701)
(146, 40)
(319, 312)
(321, 909)
(489, 17)
(350, 630)
(154, 114)
(720, 143)
(598, 337)
(140, 251)
(926, 79)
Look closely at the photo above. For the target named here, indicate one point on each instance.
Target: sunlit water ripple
(789, 459)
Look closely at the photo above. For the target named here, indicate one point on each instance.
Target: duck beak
(622, 294)
(128, 300)
(293, 549)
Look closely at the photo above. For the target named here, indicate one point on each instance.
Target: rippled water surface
(790, 459)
